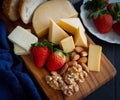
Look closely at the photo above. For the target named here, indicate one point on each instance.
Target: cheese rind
(22, 38)
(56, 34)
(71, 24)
(54, 9)
(94, 57)
(67, 44)
(80, 38)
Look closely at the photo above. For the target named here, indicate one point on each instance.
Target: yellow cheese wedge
(56, 34)
(67, 44)
(54, 9)
(71, 24)
(94, 57)
(80, 38)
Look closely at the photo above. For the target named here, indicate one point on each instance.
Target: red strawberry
(56, 60)
(110, 6)
(116, 27)
(40, 52)
(106, 0)
(103, 23)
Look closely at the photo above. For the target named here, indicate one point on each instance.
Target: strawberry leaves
(44, 43)
(94, 5)
(115, 11)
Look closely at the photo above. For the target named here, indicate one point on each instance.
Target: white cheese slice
(19, 50)
(22, 38)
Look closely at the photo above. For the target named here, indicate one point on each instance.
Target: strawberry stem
(44, 43)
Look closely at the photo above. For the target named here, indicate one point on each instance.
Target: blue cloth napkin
(15, 83)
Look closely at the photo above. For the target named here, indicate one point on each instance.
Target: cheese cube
(67, 44)
(94, 57)
(80, 38)
(22, 38)
(71, 24)
(56, 34)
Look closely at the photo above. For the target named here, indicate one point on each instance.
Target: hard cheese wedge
(55, 9)
(22, 38)
(56, 34)
(94, 57)
(67, 44)
(71, 24)
(80, 38)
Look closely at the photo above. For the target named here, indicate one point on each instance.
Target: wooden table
(111, 90)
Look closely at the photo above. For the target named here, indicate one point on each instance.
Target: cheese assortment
(71, 24)
(94, 57)
(69, 35)
(22, 38)
(55, 9)
(56, 34)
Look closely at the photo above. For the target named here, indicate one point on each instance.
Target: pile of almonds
(73, 72)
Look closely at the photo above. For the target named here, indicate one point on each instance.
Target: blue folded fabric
(15, 83)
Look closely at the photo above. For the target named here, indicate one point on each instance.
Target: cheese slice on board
(80, 38)
(22, 38)
(94, 57)
(67, 44)
(71, 24)
(54, 9)
(56, 34)
(19, 50)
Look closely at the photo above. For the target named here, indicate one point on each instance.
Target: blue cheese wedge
(22, 38)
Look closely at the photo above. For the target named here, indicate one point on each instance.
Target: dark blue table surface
(111, 90)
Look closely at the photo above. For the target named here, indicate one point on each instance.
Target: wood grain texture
(93, 82)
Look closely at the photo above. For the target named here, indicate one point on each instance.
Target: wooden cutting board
(93, 82)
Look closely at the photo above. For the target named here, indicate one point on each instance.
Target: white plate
(110, 37)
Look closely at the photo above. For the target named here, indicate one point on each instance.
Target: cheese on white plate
(71, 24)
(22, 38)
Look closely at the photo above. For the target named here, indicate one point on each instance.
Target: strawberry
(40, 52)
(106, 1)
(116, 27)
(110, 6)
(103, 23)
(56, 60)
(114, 9)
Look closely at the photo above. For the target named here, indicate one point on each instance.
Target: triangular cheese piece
(71, 24)
(80, 38)
(56, 34)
